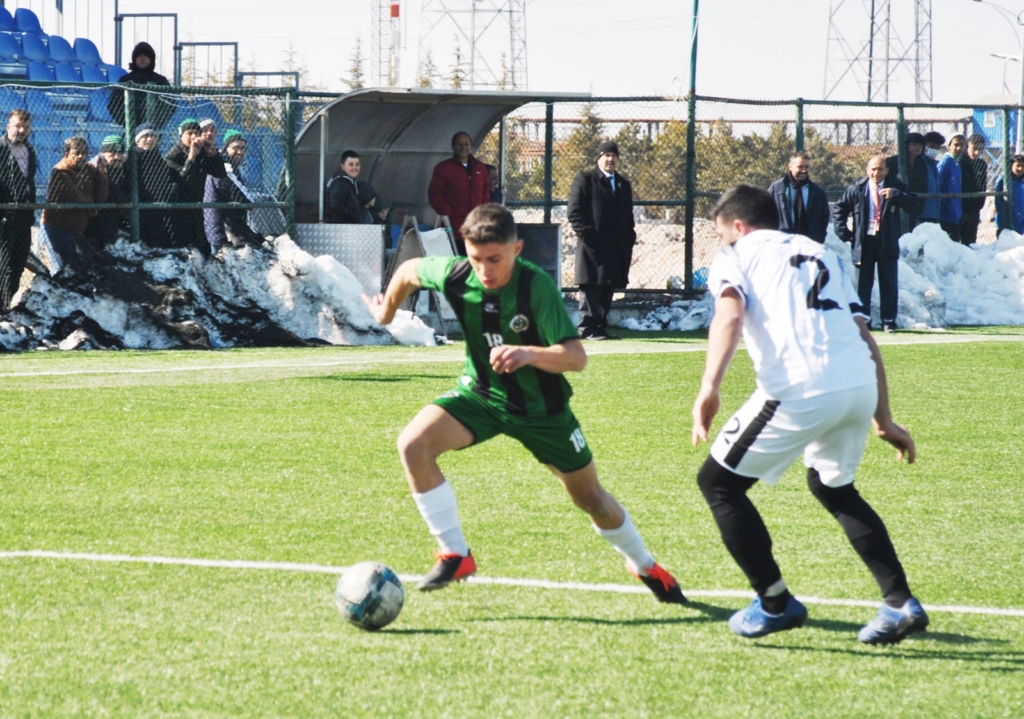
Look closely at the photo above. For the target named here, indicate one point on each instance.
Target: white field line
(500, 581)
(420, 357)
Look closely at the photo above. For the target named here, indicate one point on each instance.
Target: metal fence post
(1007, 175)
(133, 163)
(799, 124)
(549, 151)
(691, 189)
(291, 104)
(901, 151)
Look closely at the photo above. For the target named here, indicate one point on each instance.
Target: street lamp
(1020, 96)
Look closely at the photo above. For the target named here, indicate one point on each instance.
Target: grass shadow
(373, 378)
(906, 650)
(419, 631)
(711, 613)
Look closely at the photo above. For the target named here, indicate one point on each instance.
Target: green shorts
(556, 440)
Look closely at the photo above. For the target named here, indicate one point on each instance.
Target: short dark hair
(976, 140)
(1017, 158)
(25, 115)
(461, 132)
(348, 154)
(489, 223)
(934, 138)
(754, 206)
(800, 154)
(76, 143)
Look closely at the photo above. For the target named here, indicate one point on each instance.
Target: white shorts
(765, 436)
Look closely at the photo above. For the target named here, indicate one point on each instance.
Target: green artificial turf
(289, 456)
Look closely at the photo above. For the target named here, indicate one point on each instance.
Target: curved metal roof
(400, 134)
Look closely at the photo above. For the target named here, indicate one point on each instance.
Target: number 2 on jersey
(814, 301)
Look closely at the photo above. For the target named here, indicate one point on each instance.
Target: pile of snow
(136, 297)
(941, 283)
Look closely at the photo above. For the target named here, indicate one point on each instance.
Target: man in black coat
(351, 201)
(601, 214)
(191, 160)
(17, 184)
(873, 203)
(149, 107)
(802, 204)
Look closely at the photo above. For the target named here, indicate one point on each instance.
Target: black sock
(868, 535)
(776, 604)
(740, 524)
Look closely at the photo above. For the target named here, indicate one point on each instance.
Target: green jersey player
(519, 343)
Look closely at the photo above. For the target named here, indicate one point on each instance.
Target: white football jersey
(798, 318)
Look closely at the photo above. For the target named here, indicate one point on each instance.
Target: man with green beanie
(102, 228)
(191, 160)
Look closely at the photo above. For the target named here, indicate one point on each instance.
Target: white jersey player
(820, 384)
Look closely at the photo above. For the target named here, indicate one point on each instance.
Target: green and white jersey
(529, 310)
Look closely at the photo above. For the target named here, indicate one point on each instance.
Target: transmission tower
(863, 65)
(492, 34)
(385, 43)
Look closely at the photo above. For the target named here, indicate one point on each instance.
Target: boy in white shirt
(820, 383)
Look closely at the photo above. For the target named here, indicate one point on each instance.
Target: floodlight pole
(691, 157)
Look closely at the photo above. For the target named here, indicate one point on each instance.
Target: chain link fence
(136, 179)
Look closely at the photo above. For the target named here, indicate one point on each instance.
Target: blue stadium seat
(115, 73)
(10, 50)
(27, 21)
(91, 73)
(86, 51)
(7, 23)
(39, 71)
(98, 104)
(34, 49)
(60, 51)
(66, 73)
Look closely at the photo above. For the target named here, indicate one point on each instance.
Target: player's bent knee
(832, 498)
(717, 483)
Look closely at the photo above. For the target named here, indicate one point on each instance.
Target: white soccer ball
(369, 595)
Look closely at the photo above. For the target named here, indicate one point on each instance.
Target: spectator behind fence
(229, 227)
(191, 160)
(351, 201)
(208, 131)
(459, 184)
(1003, 219)
(871, 202)
(155, 185)
(923, 178)
(601, 214)
(494, 177)
(103, 227)
(802, 204)
(73, 180)
(974, 178)
(149, 107)
(17, 184)
(950, 208)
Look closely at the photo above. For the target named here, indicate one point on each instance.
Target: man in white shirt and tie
(872, 203)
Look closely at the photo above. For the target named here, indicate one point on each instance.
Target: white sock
(627, 541)
(776, 589)
(441, 513)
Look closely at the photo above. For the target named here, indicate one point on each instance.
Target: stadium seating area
(27, 53)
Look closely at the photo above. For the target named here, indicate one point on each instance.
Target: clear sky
(764, 49)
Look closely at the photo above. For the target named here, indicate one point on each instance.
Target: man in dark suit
(601, 214)
(17, 184)
(802, 204)
(872, 202)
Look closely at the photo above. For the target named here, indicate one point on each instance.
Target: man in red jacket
(459, 184)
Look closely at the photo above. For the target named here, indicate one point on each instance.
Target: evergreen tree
(426, 73)
(355, 69)
(579, 152)
(457, 77)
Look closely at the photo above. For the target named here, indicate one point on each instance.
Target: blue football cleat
(754, 622)
(891, 626)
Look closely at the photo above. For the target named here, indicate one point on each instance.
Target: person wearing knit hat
(229, 227)
(104, 224)
(142, 132)
(142, 71)
(922, 178)
(208, 131)
(600, 212)
(190, 161)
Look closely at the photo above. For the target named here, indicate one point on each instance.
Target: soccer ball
(369, 595)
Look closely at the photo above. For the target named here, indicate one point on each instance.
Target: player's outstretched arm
(403, 283)
(567, 356)
(885, 428)
(723, 338)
